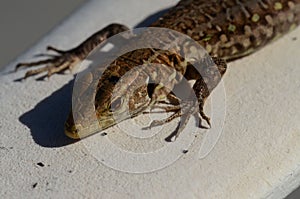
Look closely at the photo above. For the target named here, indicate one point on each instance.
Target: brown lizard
(227, 29)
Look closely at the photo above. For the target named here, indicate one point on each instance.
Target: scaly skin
(227, 29)
(233, 28)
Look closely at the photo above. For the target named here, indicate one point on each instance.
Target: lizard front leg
(68, 59)
(191, 106)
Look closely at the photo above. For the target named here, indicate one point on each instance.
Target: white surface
(257, 156)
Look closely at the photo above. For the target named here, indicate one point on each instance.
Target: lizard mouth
(103, 122)
(72, 134)
(80, 131)
(118, 111)
(70, 129)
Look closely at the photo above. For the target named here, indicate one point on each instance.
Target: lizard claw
(164, 121)
(51, 48)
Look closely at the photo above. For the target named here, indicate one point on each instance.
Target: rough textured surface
(257, 154)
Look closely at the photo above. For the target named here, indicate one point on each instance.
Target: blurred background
(23, 23)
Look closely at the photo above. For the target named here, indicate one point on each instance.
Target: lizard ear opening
(150, 89)
(115, 104)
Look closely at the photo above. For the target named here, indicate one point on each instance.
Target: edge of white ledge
(258, 153)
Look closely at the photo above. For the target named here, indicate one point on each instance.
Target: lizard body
(227, 29)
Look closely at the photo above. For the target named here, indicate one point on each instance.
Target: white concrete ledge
(257, 155)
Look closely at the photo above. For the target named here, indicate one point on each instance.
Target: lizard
(227, 29)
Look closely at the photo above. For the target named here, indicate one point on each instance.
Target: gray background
(24, 22)
(294, 195)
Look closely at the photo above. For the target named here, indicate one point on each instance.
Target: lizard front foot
(185, 110)
(64, 60)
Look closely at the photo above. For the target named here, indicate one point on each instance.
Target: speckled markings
(233, 28)
(227, 29)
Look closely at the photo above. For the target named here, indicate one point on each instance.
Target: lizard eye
(116, 104)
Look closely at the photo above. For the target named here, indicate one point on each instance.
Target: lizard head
(110, 109)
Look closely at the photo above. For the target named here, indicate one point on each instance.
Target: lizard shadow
(152, 18)
(46, 119)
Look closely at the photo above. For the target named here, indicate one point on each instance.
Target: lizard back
(233, 28)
